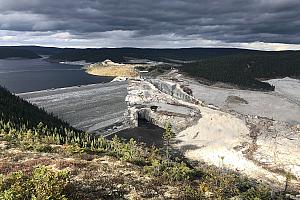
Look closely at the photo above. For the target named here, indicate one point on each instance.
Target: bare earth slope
(89, 107)
(278, 105)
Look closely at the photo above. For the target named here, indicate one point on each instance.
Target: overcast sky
(255, 24)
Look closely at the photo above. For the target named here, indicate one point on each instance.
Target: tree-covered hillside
(123, 54)
(41, 50)
(245, 70)
(9, 52)
(17, 114)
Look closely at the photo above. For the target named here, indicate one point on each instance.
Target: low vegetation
(158, 169)
(41, 184)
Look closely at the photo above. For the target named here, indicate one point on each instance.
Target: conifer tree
(168, 135)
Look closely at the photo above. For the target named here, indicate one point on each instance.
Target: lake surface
(26, 75)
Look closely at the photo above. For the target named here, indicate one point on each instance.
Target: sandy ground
(110, 68)
(282, 104)
(222, 139)
(288, 88)
(214, 139)
(89, 107)
(126, 71)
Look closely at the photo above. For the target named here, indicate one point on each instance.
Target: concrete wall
(172, 89)
(160, 119)
(179, 118)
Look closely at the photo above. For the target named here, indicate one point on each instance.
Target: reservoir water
(26, 75)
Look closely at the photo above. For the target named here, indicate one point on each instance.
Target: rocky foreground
(91, 176)
(259, 147)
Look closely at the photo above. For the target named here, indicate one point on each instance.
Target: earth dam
(89, 108)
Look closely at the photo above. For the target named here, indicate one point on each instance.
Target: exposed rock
(256, 146)
(143, 95)
(235, 99)
(176, 90)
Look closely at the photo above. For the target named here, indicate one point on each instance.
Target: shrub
(259, 192)
(173, 171)
(46, 148)
(192, 193)
(74, 149)
(168, 135)
(179, 172)
(42, 184)
(49, 185)
(15, 187)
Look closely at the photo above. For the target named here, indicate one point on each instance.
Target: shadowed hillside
(122, 54)
(17, 114)
(8, 52)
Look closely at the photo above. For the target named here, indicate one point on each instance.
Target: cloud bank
(258, 24)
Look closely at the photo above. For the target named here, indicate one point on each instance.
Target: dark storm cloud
(272, 21)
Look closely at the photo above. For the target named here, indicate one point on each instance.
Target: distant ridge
(122, 54)
(9, 52)
(241, 67)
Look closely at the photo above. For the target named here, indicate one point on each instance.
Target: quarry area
(230, 132)
(251, 132)
(282, 105)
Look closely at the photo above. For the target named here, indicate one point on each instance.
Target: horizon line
(160, 48)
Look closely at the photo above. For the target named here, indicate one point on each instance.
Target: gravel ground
(282, 104)
(89, 107)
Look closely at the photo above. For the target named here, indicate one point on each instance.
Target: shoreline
(63, 88)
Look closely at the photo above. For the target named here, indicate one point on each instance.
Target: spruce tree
(168, 135)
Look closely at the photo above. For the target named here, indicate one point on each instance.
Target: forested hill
(9, 52)
(245, 70)
(19, 115)
(123, 54)
(40, 50)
